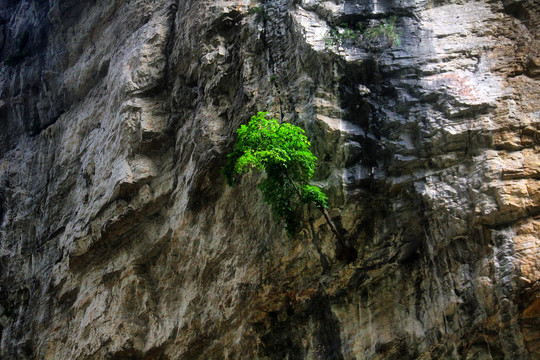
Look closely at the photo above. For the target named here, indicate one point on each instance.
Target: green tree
(282, 152)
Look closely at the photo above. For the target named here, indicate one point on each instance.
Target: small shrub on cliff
(385, 34)
(338, 36)
(259, 12)
(282, 152)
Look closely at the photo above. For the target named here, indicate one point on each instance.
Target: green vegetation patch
(282, 152)
(384, 34)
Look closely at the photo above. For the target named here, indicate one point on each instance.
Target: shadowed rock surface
(119, 238)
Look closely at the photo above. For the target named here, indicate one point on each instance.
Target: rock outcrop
(119, 238)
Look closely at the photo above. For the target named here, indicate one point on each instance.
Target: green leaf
(282, 152)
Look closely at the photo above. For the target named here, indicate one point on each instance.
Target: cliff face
(120, 240)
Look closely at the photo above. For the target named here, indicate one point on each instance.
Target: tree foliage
(283, 152)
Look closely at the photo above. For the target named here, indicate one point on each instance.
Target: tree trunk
(342, 250)
(331, 223)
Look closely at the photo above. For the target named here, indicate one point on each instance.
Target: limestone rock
(119, 238)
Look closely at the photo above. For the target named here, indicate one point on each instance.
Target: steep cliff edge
(119, 238)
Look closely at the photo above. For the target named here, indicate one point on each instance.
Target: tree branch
(333, 227)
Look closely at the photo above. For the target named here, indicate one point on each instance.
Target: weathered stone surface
(120, 240)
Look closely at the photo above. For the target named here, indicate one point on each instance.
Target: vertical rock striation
(120, 240)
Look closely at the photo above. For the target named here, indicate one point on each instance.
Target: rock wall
(120, 240)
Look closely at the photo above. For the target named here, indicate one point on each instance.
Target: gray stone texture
(119, 238)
